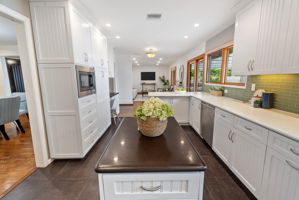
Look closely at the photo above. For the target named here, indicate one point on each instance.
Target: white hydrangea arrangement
(154, 108)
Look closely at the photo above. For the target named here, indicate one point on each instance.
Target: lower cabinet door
(222, 145)
(158, 186)
(197, 116)
(281, 177)
(247, 162)
(181, 109)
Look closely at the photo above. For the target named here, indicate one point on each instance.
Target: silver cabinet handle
(152, 189)
(292, 165)
(85, 57)
(249, 129)
(232, 137)
(248, 66)
(294, 151)
(229, 135)
(251, 66)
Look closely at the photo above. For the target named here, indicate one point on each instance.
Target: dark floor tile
(76, 179)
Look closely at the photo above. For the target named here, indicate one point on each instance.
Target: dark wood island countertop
(130, 151)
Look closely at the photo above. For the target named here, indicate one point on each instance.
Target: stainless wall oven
(85, 80)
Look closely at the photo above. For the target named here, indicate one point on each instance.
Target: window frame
(195, 61)
(225, 51)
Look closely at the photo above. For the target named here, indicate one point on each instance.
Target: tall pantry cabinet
(63, 39)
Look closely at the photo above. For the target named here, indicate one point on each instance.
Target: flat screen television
(148, 76)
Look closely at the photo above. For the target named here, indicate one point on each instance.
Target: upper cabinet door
(99, 47)
(52, 32)
(246, 37)
(278, 44)
(81, 32)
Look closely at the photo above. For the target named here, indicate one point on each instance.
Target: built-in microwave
(85, 80)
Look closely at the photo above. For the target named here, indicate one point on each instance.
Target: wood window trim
(194, 61)
(225, 49)
(173, 76)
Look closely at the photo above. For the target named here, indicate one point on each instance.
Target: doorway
(33, 125)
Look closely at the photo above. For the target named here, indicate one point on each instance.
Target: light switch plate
(253, 87)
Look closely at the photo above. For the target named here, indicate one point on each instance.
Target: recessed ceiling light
(134, 58)
(108, 25)
(117, 37)
(138, 64)
(196, 25)
(161, 58)
(186, 36)
(157, 64)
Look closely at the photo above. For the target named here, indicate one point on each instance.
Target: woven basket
(152, 127)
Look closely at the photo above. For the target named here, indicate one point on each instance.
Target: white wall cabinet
(246, 38)
(275, 49)
(65, 38)
(195, 114)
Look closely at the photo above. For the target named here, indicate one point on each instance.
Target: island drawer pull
(294, 151)
(152, 189)
(249, 129)
(292, 165)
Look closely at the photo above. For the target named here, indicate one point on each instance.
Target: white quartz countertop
(284, 123)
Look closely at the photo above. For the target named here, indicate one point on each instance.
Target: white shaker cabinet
(246, 38)
(81, 32)
(281, 177)
(222, 142)
(266, 38)
(99, 47)
(248, 154)
(195, 114)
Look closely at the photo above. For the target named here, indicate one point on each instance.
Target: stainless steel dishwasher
(207, 122)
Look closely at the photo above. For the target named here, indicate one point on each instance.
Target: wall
(198, 50)
(9, 50)
(285, 87)
(21, 6)
(4, 80)
(160, 71)
(124, 78)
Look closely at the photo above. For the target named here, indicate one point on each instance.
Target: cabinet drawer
(229, 118)
(283, 145)
(88, 100)
(90, 128)
(90, 139)
(181, 185)
(88, 120)
(87, 110)
(252, 129)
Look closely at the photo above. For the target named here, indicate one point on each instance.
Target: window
(195, 74)
(219, 68)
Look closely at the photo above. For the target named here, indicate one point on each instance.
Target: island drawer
(166, 186)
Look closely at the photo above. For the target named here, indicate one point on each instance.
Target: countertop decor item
(152, 117)
(216, 91)
(257, 103)
(267, 100)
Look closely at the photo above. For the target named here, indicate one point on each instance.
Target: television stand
(146, 90)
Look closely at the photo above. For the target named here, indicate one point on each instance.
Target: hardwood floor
(16, 157)
(77, 180)
(128, 111)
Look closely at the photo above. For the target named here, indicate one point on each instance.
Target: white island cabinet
(195, 114)
(64, 38)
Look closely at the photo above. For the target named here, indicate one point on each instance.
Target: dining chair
(9, 112)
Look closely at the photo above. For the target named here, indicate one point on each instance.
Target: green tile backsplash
(285, 87)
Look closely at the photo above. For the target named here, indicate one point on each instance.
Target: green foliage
(217, 88)
(164, 80)
(215, 75)
(155, 108)
(257, 102)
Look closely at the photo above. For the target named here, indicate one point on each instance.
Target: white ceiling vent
(154, 16)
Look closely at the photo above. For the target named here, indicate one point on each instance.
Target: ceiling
(128, 19)
(7, 32)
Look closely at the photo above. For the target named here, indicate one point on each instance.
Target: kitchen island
(137, 167)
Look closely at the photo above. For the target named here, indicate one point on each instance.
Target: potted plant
(165, 82)
(152, 117)
(216, 91)
(257, 103)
